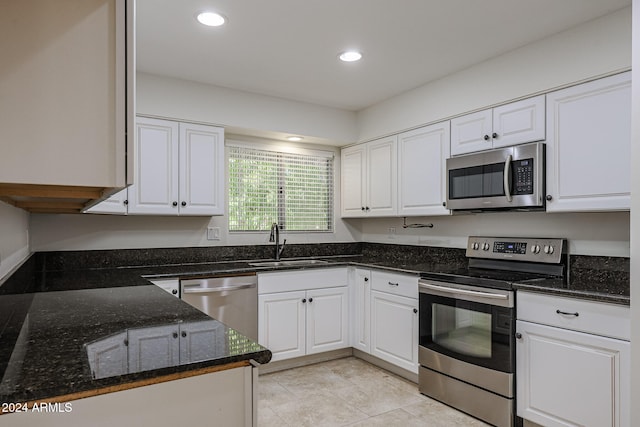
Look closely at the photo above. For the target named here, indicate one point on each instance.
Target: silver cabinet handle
(507, 173)
(198, 290)
(455, 291)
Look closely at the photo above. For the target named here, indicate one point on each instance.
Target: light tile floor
(349, 392)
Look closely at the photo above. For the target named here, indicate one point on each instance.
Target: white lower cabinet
(386, 316)
(394, 329)
(295, 323)
(361, 320)
(567, 376)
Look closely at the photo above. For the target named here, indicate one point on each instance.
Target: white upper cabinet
(471, 132)
(511, 124)
(369, 179)
(179, 169)
(382, 177)
(201, 178)
(354, 169)
(589, 146)
(155, 188)
(422, 155)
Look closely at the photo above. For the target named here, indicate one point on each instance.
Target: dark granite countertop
(52, 311)
(593, 291)
(47, 337)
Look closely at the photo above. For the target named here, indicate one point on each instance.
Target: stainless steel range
(467, 323)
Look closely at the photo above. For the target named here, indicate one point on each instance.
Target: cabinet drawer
(609, 320)
(397, 284)
(301, 280)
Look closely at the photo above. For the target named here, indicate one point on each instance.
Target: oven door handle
(507, 176)
(456, 291)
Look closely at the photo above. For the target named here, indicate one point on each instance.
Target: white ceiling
(289, 48)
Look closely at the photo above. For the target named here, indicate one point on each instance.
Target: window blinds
(295, 190)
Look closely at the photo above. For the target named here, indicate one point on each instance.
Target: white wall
(599, 47)
(604, 234)
(635, 220)
(14, 238)
(86, 232)
(242, 112)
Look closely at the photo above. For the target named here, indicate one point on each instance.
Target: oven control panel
(516, 248)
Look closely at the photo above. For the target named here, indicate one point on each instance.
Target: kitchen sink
(288, 263)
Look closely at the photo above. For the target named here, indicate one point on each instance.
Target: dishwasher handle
(196, 289)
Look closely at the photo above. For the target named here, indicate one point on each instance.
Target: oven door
(467, 323)
(511, 177)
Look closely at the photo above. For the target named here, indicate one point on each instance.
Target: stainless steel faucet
(275, 237)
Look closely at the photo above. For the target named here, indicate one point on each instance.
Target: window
(294, 190)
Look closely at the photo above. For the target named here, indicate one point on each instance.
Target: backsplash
(409, 254)
(599, 274)
(590, 273)
(114, 258)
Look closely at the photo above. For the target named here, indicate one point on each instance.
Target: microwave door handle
(507, 176)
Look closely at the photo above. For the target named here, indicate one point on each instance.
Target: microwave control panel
(522, 176)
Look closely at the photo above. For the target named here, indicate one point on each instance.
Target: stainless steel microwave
(504, 178)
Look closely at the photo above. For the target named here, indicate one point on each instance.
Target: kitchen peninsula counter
(52, 322)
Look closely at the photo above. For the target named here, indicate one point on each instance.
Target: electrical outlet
(391, 233)
(213, 233)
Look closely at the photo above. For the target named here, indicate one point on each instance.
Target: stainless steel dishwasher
(233, 300)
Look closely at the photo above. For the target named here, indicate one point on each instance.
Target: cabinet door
(155, 188)
(201, 178)
(353, 176)
(382, 177)
(568, 378)
(116, 204)
(108, 357)
(471, 132)
(327, 319)
(202, 341)
(589, 146)
(394, 329)
(281, 324)
(362, 310)
(422, 155)
(153, 348)
(519, 122)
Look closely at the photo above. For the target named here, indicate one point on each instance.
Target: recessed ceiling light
(294, 138)
(350, 56)
(211, 19)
